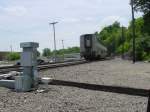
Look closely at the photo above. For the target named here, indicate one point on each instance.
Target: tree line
(48, 53)
(119, 39)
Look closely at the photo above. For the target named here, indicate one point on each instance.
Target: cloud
(78, 20)
(27, 20)
(15, 10)
(111, 19)
(71, 20)
(88, 19)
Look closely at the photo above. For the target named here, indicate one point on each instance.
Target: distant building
(3, 55)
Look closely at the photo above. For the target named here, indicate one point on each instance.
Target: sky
(28, 20)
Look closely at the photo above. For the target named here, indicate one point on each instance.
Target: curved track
(7, 69)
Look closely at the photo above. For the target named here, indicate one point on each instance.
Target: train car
(91, 48)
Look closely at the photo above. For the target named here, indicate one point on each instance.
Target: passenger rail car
(91, 48)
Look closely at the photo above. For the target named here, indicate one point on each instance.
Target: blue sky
(27, 20)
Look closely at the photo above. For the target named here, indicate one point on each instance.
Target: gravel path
(61, 98)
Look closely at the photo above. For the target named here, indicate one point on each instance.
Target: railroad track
(7, 69)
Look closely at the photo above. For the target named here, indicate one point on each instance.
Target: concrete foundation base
(7, 83)
(23, 83)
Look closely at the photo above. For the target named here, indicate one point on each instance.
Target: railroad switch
(28, 79)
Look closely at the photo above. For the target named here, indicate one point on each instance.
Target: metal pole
(122, 42)
(54, 39)
(63, 48)
(148, 105)
(133, 28)
(63, 44)
(54, 43)
(11, 49)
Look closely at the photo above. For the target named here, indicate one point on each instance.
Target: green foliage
(38, 53)
(142, 5)
(139, 25)
(124, 47)
(13, 56)
(139, 49)
(142, 47)
(113, 32)
(147, 23)
(46, 52)
(111, 36)
(68, 50)
(127, 46)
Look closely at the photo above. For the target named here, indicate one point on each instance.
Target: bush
(38, 54)
(126, 46)
(13, 56)
(142, 47)
(146, 56)
(47, 52)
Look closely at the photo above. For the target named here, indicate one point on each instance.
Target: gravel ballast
(79, 98)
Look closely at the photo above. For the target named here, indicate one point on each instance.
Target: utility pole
(122, 39)
(133, 30)
(11, 49)
(63, 49)
(53, 24)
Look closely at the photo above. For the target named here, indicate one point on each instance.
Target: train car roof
(86, 34)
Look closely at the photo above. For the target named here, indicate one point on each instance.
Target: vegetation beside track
(118, 42)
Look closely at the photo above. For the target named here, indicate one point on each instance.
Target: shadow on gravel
(148, 105)
(105, 88)
(113, 89)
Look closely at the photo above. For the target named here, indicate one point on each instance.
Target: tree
(13, 56)
(38, 53)
(46, 52)
(110, 36)
(144, 6)
(69, 50)
(147, 23)
(139, 27)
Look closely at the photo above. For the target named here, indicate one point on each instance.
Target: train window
(88, 41)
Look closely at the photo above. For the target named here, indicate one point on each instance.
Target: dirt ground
(90, 87)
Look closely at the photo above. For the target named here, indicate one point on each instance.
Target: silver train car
(90, 47)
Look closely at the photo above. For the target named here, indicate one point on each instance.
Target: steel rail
(4, 70)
